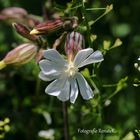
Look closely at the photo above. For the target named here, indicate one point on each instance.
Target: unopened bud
(107, 102)
(117, 43)
(20, 55)
(20, 15)
(24, 31)
(54, 25)
(109, 8)
(6, 120)
(106, 44)
(93, 37)
(12, 13)
(47, 27)
(74, 43)
(136, 65)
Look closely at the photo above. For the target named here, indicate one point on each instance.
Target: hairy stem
(66, 125)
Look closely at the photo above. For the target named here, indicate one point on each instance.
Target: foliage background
(24, 103)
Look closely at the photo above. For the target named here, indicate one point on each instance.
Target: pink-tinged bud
(47, 27)
(25, 32)
(20, 55)
(13, 12)
(20, 15)
(74, 43)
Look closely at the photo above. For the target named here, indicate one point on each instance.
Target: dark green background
(24, 107)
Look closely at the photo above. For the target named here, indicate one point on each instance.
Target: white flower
(66, 75)
(47, 134)
(139, 58)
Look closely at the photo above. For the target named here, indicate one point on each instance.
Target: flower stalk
(66, 124)
(2, 65)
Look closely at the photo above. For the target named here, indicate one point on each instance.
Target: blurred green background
(30, 110)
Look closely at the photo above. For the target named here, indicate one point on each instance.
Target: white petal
(55, 87)
(65, 92)
(49, 67)
(82, 55)
(93, 58)
(74, 90)
(44, 77)
(53, 55)
(71, 34)
(84, 87)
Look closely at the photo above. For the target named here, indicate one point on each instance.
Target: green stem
(113, 94)
(76, 7)
(100, 115)
(66, 125)
(87, 24)
(37, 89)
(113, 85)
(92, 23)
(51, 103)
(99, 106)
(108, 9)
(94, 85)
(88, 9)
(92, 9)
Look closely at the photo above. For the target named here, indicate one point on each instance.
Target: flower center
(72, 70)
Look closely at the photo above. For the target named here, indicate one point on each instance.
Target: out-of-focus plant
(4, 127)
(138, 132)
(137, 67)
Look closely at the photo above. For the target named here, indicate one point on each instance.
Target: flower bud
(11, 13)
(20, 15)
(109, 8)
(25, 32)
(20, 55)
(74, 43)
(54, 25)
(47, 27)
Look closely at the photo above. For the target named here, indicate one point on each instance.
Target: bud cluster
(32, 29)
